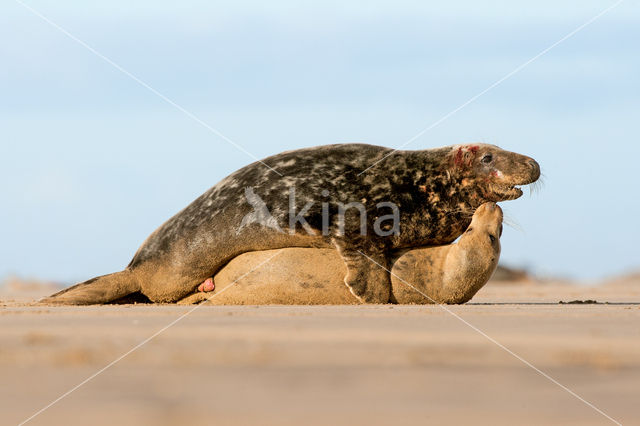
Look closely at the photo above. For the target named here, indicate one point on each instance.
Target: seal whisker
(536, 187)
(511, 222)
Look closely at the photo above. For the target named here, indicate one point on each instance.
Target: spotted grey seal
(434, 191)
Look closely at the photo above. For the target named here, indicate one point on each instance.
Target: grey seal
(434, 193)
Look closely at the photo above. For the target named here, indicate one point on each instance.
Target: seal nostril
(535, 166)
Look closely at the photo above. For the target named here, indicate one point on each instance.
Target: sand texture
(292, 365)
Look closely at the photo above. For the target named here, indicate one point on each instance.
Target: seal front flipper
(98, 290)
(367, 272)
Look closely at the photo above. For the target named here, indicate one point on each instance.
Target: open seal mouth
(510, 193)
(506, 184)
(505, 193)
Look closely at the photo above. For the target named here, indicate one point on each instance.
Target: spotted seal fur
(436, 192)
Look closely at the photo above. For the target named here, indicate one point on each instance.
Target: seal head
(496, 173)
(451, 273)
(471, 262)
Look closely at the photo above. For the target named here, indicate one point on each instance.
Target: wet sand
(329, 364)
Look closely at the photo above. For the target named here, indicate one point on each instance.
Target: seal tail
(98, 290)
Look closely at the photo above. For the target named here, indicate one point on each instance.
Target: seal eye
(488, 158)
(492, 238)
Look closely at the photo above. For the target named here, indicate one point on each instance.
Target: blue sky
(92, 162)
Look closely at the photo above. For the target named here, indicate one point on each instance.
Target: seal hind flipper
(98, 290)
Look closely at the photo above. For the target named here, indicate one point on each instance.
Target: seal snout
(535, 169)
(488, 207)
(488, 215)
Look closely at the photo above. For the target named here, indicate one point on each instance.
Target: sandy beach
(329, 364)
